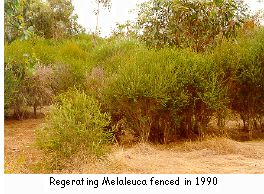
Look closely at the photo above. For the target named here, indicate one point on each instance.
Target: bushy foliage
(37, 88)
(11, 87)
(75, 123)
(167, 92)
(113, 54)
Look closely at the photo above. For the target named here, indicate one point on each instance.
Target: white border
(32, 184)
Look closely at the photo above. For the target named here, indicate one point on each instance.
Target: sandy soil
(217, 155)
(21, 153)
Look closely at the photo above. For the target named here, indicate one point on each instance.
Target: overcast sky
(120, 12)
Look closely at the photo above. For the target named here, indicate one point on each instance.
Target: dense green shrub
(76, 60)
(248, 94)
(45, 50)
(15, 97)
(75, 123)
(16, 51)
(242, 67)
(87, 42)
(166, 93)
(113, 54)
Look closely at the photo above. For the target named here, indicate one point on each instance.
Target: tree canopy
(191, 24)
(50, 19)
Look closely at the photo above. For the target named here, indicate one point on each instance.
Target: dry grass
(217, 155)
(222, 146)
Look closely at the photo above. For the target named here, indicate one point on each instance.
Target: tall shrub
(166, 93)
(249, 98)
(242, 67)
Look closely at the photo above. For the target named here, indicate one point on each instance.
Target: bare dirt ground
(215, 155)
(21, 153)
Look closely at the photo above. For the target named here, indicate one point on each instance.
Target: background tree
(192, 24)
(55, 19)
(50, 19)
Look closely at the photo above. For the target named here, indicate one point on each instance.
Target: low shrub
(75, 123)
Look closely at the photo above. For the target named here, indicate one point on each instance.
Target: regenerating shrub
(248, 99)
(75, 123)
(76, 60)
(242, 66)
(166, 93)
(113, 54)
(38, 87)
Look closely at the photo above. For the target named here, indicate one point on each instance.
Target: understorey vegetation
(141, 87)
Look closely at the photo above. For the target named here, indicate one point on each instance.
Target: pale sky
(119, 13)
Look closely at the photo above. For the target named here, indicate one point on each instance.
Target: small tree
(105, 4)
(38, 88)
(27, 84)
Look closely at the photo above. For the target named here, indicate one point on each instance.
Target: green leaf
(218, 2)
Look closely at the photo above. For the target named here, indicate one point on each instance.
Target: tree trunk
(35, 110)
